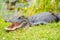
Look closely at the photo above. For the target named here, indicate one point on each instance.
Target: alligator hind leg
(42, 23)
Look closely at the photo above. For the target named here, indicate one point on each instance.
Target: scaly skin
(42, 18)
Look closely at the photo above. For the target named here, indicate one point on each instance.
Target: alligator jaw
(13, 26)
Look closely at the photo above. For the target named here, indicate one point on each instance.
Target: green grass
(50, 31)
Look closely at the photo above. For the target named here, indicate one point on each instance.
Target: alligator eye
(19, 18)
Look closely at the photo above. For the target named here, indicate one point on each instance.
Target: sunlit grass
(50, 31)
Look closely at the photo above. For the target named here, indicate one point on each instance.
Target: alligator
(40, 18)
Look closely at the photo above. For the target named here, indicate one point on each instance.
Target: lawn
(50, 31)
